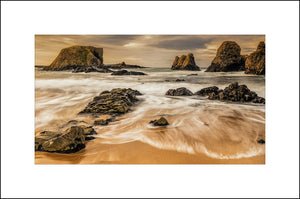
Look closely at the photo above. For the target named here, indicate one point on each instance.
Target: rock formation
(179, 92)
(234, 92)
(160, 122)
(125, 72)
(228, 58)
(185, 63)
(255, 62)
(69, 141)
(77, 57)
(123, 65)
(115, 102)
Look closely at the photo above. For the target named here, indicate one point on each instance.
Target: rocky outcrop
(69, 141)
(255, 62)
(228, 58)
(179, 92)
(234, 92)
(77, 57)
(123, 65)
(89, 69)
(185, 63)
(125, 72)
(160, 122)
(115, 102)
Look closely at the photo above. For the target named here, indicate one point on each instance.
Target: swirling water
(219, 130)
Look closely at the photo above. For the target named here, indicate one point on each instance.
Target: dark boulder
(69, 141)
(207, 91)
(125, 72)
(89, 69)
(179, 92)
(123, 65)
(228, 58)
(234, 92)
(160, 122)
(185, 63)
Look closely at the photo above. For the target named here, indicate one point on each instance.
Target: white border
(278, 20)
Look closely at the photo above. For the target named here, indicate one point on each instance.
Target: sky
(144, 50)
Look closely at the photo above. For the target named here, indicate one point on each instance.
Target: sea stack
(228, 58)
(255, 62)
(77, 57)
(185, 63)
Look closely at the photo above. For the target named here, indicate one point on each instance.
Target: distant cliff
(185, 63)
(255, 62)
(77, 57)
(228, 58)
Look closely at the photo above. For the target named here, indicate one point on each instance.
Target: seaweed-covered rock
(234, 92)
(228, 58)
(115, 102)
(69, 141)
(182, 91)
(255, 62)
(77, 57)
(207, 91)
(125, 72)
(185, 63)
(160, 122)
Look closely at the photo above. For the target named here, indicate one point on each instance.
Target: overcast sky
(144, 50)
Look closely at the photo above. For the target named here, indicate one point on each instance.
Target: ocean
(199, 127)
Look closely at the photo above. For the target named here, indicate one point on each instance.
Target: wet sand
(195, 136)
(134, 153)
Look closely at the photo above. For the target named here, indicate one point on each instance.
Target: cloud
(185, 42)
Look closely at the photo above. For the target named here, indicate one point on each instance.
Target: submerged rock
(234, 92)
(77, 57)
(125, 72)
(255, 62)
(185, 63)
(228, 58)
(115, 102)
(160, 122)
(68, 141)
(182, 91)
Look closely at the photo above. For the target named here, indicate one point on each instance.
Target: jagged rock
(228, 58)
(125, 72)
(207, 91)
(255, 62)
(160, 122)
(179, 92)
(123, 65)
(114, 102)
(69, 141)
(234, 92)
(185, 63)
(77, 57)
